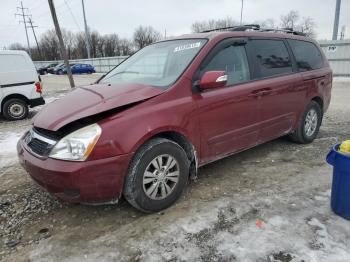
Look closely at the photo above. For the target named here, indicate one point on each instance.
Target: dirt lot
(270, 203)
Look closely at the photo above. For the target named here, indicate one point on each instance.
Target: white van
(20, 85)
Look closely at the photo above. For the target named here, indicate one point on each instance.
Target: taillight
(38, 88)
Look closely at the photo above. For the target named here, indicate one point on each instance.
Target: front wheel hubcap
(311, 122)
(161, 177)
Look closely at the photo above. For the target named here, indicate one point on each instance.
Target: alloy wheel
(311, 122)
(161, 177)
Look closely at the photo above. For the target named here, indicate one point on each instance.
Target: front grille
(39, 144)
(39, 147)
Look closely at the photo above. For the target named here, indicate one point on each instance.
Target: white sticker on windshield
(186, 47)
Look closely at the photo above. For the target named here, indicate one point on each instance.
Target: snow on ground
(288, 222)
(8, 152)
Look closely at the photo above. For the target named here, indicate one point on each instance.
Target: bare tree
(100, 47)
(49, 45)
(69, 39)
(125, 47)
(307, 26)
(268, 23)
(211, 24)
(290, 20)
(94, 43)
(144, 36)
(80, 46)
(111, 45)
(16, 46)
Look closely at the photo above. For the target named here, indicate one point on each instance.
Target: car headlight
(78, 145)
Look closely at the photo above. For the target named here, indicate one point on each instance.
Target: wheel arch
(319, 101)
(11, 96)
(182, 140)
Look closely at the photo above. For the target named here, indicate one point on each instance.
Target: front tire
(15, 109)
(309, 124)
(157, 175)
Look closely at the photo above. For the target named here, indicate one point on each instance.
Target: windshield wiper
(122, 72)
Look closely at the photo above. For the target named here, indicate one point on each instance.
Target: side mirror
(213, 79)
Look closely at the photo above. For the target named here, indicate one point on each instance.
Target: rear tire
(15, 109)
(309, 124)
(157, 175)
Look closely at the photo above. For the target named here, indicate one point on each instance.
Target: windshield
(60, 65)
(158, 65)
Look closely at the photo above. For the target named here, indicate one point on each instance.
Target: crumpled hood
(91, 100)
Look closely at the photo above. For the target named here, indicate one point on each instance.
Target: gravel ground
(270, 203)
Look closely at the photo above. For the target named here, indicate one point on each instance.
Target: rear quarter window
(307, 55)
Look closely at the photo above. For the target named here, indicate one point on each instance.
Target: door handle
(260, 92)
(265, 92)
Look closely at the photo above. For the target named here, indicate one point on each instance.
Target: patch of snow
(321, 198)
(8, 152)
(292, 227)
(50, 99)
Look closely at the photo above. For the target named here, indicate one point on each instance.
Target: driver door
(228, 115)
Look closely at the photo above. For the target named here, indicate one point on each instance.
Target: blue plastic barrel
(340, 199)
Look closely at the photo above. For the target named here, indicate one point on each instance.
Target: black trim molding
(36, 102)
(18, 84)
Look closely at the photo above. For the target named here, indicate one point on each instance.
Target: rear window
(272, 58)
(306, 54)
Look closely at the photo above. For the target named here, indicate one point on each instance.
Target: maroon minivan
(144, 128)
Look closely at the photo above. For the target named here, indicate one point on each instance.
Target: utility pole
(241, 13)
(24, 22)
(60, 40)
(336, 20)
(36, 40)
(86, 32)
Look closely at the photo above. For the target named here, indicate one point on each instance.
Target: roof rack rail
(283, 30)
(234, 28)
(256, 27)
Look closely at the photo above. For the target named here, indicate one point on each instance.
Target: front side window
(233, 60)
(158, 65)
(307, 55)
(272, 58)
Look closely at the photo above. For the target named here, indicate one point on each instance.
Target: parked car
(44, 69)
(51, 70)
(59, 69)
(80, 69)
(175, 105)
(20, 85)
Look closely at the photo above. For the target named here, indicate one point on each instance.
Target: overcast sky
(123, 16)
